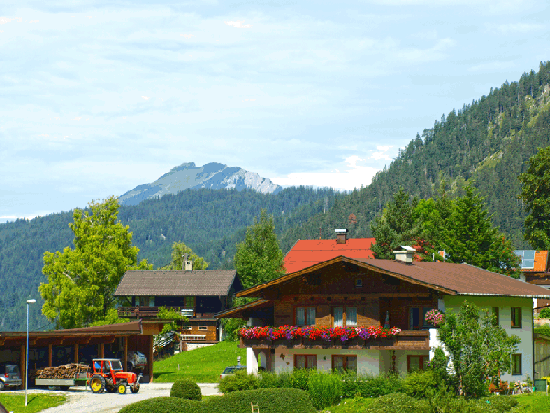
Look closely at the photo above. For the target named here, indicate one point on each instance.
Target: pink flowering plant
(317, 333)
(435, 317)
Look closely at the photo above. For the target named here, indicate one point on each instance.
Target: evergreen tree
(535, 194)
(396, 226)
(259, 258)
(470, 237)
(81, 281)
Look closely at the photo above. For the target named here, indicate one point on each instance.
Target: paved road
(84, 401)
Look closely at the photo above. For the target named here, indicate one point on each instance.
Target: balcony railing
(404, 340)
(148, 312)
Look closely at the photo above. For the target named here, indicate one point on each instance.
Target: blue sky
(98, 96)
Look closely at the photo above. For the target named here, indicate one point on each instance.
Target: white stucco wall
(367, 360)
(525, 333)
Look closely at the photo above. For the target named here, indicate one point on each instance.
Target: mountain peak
(212, 175)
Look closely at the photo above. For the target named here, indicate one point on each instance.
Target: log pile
(67, 371)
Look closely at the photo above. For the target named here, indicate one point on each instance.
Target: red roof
(306, 253)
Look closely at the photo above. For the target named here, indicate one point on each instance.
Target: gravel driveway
(84, 401)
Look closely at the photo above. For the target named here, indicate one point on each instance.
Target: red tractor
(108, 376)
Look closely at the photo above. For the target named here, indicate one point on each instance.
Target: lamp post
(27, 358)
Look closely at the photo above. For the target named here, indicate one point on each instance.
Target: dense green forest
(211, 222)
(487, 143)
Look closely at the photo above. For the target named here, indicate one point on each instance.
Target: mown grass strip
(203, 365)
(35, 402)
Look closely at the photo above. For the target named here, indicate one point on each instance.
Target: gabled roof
(447, 278)
(176, 283)
(306, 253)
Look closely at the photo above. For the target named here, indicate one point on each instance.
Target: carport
(57, 347)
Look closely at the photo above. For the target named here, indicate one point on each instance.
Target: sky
(97, 96)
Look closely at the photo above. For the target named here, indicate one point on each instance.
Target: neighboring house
(199, 295)
(349, 292)
(535, 269)
(306, 253)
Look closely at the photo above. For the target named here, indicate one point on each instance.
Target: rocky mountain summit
(189, 176)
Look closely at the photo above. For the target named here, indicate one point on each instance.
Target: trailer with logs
(64, 376)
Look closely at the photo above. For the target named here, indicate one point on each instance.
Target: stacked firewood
(67, 371)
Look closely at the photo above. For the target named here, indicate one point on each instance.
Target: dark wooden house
(198, 295)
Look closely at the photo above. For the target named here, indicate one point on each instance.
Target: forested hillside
(211, 222)
(486, 142)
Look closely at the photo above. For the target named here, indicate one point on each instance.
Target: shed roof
(306, 253)
(176, 283)
(448, 278)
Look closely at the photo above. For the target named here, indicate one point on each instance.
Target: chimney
(341, 236)
(405, 256)
(187, 265)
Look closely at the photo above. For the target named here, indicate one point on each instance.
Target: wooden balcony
(152, 312)
(405, 340)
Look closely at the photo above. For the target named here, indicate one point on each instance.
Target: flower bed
(315, 333)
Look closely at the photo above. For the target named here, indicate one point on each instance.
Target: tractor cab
(109, 376)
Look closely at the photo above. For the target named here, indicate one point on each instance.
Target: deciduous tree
(82, 280)
(259, 257)
(179, 249)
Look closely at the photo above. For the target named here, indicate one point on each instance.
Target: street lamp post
(27, 357)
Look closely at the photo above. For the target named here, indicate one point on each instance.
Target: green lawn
(349, 406)
(35, 402)
(204, 365)
(530, 403)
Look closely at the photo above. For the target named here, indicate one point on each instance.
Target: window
(516, 317)
(344, 363)
(305, 316)
(344, 316)
(496, 318)
(189, 302)
(203, 328)
(305, 361)
(417, 318)
(358, 283)
(145, 301)
(415, 363)
(516, 363)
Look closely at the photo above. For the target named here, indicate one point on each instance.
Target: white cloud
(146, 97)
(187, 36)
(4, 20)
(78, 118)
(352, 177)
(45, 135)
(515, 27)
(239, 24)
(380, 153)
(34, 21)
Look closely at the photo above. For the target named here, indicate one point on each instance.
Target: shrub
(398, 403)
(238, 382)
(163, 405)
(422, 384)
(545, 312)
(299, 379)
(325, 389)
(268, 380)
(268, 400)
(380, 385)
(186, 389)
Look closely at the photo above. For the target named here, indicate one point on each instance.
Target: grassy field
(35, 402)
(203, 365)
(531, 403)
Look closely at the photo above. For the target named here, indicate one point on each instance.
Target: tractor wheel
(97, 383)
(134, 388)
(121, 387)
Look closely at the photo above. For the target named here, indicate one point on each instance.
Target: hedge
(268, 400)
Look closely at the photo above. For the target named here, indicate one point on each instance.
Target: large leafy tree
(477, 347)
(396, 226)
(179, 249)
(535, 194)
(82, 280)
(259, 257)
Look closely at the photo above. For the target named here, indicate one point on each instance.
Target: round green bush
(422, 384)
(238, 382)
(163, 405)
(186, 389)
